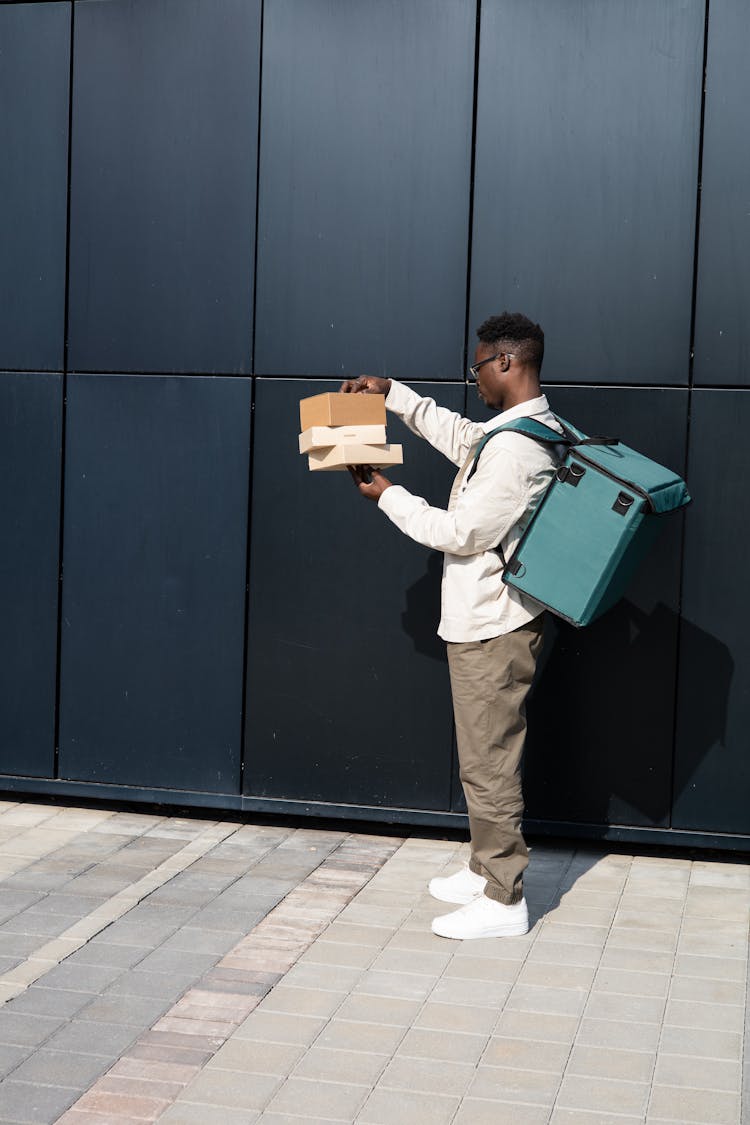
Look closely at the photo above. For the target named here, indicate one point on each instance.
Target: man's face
(491, 375)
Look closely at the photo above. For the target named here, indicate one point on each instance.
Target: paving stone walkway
(194, 972)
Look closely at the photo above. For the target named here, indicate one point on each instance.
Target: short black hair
(518, 334)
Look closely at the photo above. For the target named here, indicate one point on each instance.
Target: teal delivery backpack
(599, 516)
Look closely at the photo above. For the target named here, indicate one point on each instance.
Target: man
(493, 633)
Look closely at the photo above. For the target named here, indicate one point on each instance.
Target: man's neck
(522, 391)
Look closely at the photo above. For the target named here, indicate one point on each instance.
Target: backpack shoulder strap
(529, 427)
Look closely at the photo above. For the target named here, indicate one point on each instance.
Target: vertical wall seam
(257, 186)
(453, 772)
(253, 383)
(688, 421)
(698, 198)
(63, 416)
(472, 172)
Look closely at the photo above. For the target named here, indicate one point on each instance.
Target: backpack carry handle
(577, 438)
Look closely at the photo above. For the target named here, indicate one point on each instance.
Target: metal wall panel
(602, 715)
(712, 768)
(587, 145)
(34, 80)
(586, 173)
(348, 698)
(722, 334)
(30, 458)
(155, 543)
(364, 187)
(165, 123)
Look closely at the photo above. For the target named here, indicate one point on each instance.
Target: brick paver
(192, 971)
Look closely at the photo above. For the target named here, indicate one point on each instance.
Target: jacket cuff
(399, 398)
(396, 501)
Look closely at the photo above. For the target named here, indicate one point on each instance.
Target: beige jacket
(493, 507)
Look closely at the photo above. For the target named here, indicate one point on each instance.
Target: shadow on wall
(601, 717)
(420, 618)
(602, 711)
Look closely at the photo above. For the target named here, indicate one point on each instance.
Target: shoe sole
(506, 931)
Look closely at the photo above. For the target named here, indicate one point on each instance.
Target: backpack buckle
(570, 474)
(623, 503)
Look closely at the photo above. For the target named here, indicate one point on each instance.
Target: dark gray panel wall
(30, 456)
(348, 697)
(34, 78)
(588, 134)
(601, 719)
(154, 580)
(712, 767)
(163, 185)
(364, 187)
(722, 334)
(586, 174)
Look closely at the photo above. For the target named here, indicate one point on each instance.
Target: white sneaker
(461, 888)
(483, 917)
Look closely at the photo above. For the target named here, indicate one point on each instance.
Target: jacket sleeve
(492, 502)
(448, 432)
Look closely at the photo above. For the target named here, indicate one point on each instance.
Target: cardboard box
(342, 410)
(339, 456)
(323, 437)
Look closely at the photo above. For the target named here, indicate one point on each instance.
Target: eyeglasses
(475, 366)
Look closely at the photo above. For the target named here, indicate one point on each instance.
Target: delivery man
(493, 633)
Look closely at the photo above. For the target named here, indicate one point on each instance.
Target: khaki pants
(490, 680)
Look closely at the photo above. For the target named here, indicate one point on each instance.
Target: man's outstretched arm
(486, 510)
(445, 430)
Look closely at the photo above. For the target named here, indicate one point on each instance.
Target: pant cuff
(499, 894)
(494, 890)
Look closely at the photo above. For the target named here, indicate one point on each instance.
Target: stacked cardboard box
(345, 429)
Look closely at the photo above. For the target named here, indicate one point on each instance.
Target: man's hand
(365, 384)
(370, 482)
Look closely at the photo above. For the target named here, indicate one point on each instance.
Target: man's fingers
(361, 474)
(365, 384)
